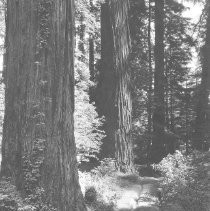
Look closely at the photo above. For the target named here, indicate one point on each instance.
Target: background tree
(157, 148)
(178, 87)
(114, 84)
(88, 133)
(177, 55)
(141, 77)
(202, 123)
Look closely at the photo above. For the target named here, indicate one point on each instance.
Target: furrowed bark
(39, 80)
(115, 82)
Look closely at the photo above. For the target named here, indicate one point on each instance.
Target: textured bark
(202, 135)
(157, 149)
(115, 95)
(39, 80)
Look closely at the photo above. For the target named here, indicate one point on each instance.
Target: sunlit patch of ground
(138, 193)
(126, 192)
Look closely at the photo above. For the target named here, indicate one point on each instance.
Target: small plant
(96, 188)
(90, 195)
(107, 167)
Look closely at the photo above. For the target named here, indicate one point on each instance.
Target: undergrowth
(103, 187)
(10, 198)
(99, 180)
(184, 182)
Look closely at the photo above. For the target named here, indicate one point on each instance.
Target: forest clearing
(105, 105)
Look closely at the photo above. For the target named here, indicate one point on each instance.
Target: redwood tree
(114, 98)
(157, 148)
(38, 137)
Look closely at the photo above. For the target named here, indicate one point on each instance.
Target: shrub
(107, 167)
(90, 195)
(99, 186)
(98, 194)
(181, 182)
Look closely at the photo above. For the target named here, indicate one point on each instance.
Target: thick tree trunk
(105, 90)
(157, 149)
(115, 95)
(123, 142)
(202, 135)
(39, 78)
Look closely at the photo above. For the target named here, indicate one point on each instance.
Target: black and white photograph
(104, 105)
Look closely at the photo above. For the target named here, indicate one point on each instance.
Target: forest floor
(139, 193)
(118, 192)
(125, 192)
(146, 193)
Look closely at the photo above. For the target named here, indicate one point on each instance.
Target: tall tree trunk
(115, 81)
(121, 34)
(105, 90)
(38, 130)
(202, 136)
(150, 81)
(157, 149)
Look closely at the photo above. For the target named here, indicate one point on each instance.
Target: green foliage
(35, 194)
(8, 204)
(83, 8)
(90, 195)
(107, 167)
(87, 123)
(176, 171)
(10, 199)
(88, 134)
(100, 179)
(104, 194)
(44, 9)
(182, 182)
(178, 85)
(2, 25)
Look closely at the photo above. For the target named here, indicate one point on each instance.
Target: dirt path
(139, 194)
